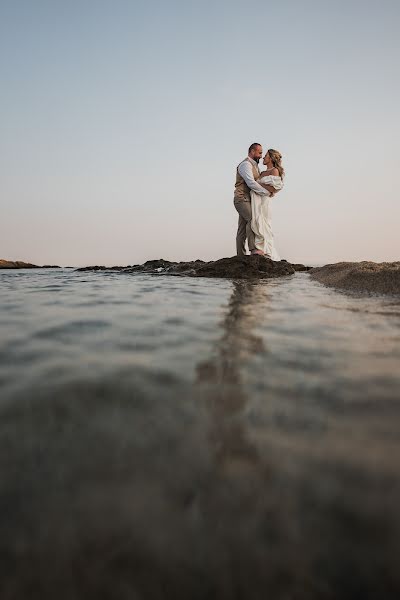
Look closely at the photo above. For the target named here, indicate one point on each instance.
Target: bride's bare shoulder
(272, 171)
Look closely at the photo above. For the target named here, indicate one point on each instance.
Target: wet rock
(51, 267)
(235, 267)
(245, 267)
(365, 277)
(300, 267)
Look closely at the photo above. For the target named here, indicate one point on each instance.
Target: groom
(246, 174)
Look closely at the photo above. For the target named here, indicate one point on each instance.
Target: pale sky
(122, 124)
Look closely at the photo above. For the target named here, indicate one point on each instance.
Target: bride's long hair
(276, 158)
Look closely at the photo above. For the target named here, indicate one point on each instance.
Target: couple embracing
(253, 192)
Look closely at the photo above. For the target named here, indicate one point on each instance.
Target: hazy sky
(122, 124)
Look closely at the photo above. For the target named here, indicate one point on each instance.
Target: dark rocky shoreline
(365, 277)
(235, 267)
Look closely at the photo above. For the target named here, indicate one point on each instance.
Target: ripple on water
(71, 328)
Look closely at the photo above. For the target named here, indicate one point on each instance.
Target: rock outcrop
(235, 267)
(19, 264)
(366, 276)
(16, 264)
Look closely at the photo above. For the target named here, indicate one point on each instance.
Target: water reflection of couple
(227, 396)
(253, 193)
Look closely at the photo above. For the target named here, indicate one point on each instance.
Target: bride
(260, 205)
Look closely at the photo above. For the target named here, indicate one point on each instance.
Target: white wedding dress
(261, 218)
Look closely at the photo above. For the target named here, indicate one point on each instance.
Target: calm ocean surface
(169, 437)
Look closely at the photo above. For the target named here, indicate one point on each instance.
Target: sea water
(169, 437)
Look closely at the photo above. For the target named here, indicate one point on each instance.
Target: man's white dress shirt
(246, 172)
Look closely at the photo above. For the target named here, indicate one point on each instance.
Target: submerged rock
(235, 267)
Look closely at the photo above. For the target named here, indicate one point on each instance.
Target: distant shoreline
(19, 264)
